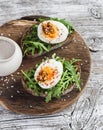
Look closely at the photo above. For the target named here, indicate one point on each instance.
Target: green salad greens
(70, 75)
(32, 45)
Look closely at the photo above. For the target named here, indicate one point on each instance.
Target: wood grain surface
(87, 17)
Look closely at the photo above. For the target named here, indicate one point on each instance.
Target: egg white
(63, 32)
(52, 63)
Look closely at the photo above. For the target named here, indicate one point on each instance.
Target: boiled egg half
(48, 73)
(52, 32)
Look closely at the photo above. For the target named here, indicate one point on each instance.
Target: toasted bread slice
(28, 31)
(69, 88)
(55, 46)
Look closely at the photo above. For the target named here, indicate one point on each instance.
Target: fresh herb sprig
(70, 76)
(32, 44)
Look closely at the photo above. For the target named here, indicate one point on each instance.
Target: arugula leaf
(73, 73)
(49, 96)
(69, 76)
(43, 19)
(32, 44)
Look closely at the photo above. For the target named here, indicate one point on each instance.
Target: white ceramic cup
(10, 56)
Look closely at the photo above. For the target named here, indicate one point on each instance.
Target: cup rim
(11, 42)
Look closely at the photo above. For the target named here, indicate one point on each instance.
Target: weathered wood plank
(87, 16)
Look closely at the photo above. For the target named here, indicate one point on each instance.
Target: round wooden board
(12, 94)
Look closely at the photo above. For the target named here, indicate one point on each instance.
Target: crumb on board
(18, 91)
(11, 96)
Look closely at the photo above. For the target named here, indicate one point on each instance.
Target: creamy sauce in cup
(10, 56)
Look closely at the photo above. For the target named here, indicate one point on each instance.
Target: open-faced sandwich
(45, 35)
(52, 78)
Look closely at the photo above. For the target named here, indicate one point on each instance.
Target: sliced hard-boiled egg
(48, 73)
(52, 32)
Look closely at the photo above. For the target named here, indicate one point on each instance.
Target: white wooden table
(87, 17)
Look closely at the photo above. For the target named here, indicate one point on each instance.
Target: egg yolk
(50, 30)
(46, 74)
